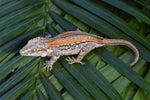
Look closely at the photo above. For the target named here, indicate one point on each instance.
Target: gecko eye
(33, 50)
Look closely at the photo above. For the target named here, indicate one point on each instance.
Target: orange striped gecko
(70, 43)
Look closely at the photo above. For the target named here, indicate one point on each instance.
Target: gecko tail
(125, 43)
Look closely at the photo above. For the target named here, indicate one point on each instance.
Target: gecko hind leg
(81, 55)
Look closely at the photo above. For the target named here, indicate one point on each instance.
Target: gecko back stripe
(72, 41)
(74, 33)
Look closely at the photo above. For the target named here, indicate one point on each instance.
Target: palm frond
(105, 74)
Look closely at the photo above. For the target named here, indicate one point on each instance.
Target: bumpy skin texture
(70, 43)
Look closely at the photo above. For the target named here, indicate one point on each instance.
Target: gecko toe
(74, 60)
(48, 67)
(82, 63)
(70, 60)
(44, 67)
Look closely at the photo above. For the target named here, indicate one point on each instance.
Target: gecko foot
(47, 66)
(74, 60)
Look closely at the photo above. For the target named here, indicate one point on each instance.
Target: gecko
(70, 43)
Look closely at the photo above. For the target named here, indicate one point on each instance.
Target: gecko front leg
(49, 64)
(81, 55)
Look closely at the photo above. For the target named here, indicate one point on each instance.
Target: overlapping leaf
(23, 77)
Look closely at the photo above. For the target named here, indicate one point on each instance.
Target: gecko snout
(20, 52)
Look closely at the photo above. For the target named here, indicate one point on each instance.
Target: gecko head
(34, 47)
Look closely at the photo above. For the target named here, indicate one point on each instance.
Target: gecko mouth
(22, 53)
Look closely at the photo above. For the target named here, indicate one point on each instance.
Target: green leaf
(2, 2)
(14, 5)
(19, 89)
(129, 9)
(124, 69)
(28, 94)
(40, 95)
(92, 82)
(70, 83)
(12, 65)
(14, 31)
(20, 75)
(50, 89)
(62, 22)
(143, 3)
(140, 94)
(104, 75)
(21, 14)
